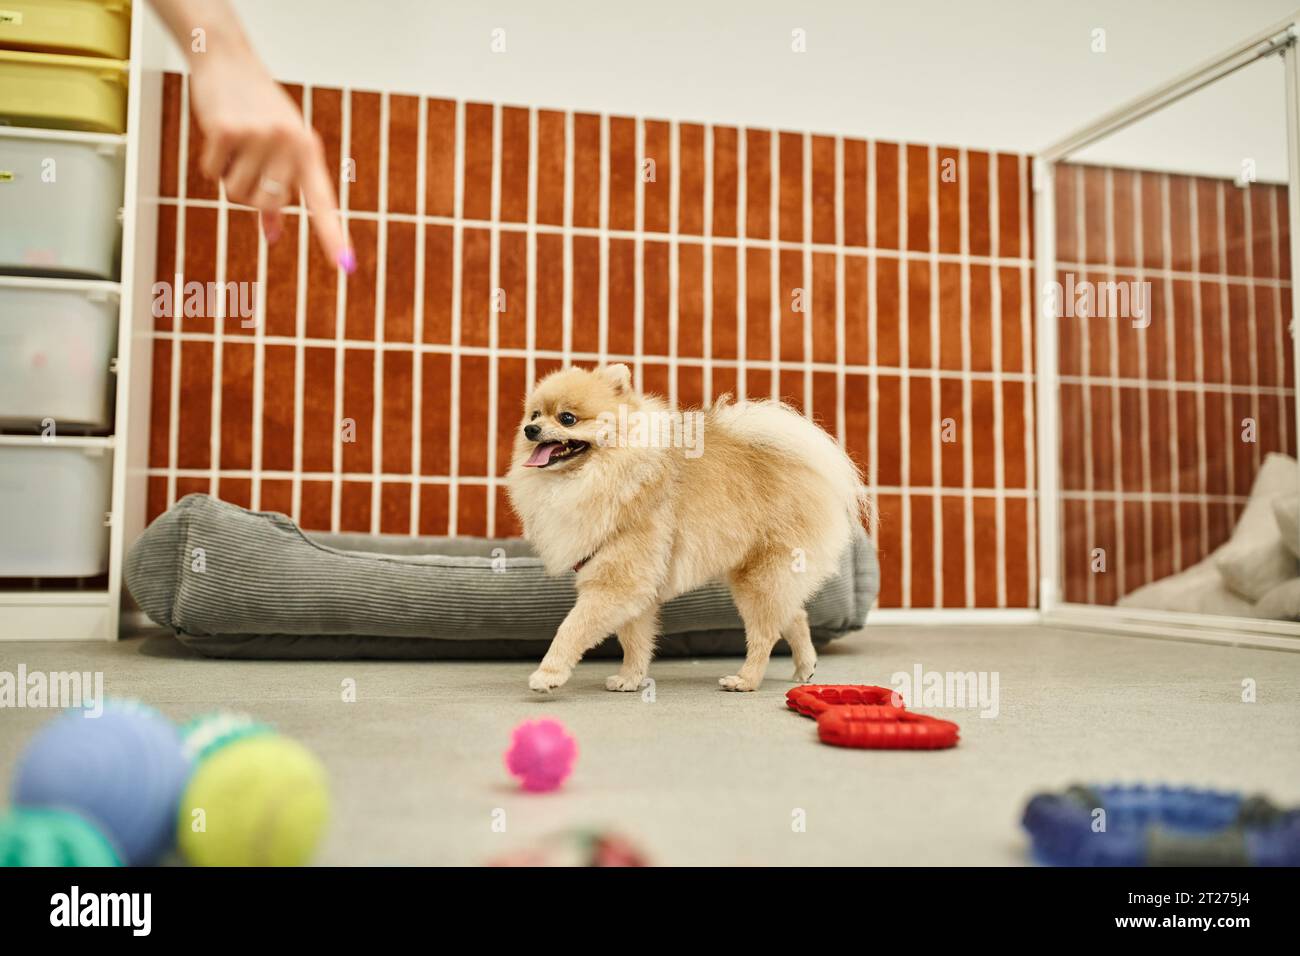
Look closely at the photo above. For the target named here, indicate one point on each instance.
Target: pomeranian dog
(646, 503)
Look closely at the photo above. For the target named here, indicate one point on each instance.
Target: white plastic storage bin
(57, 342)
(53, 503)
(59, 205)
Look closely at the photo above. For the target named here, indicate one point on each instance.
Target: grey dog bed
(237, 583)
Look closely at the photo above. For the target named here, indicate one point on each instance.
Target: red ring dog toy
(812, 699)
(869, 718)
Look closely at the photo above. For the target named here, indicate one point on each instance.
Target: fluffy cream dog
(764, 503)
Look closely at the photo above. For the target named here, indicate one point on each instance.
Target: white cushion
(1255, 560)
(1286, 509)
(1282, 603)
(1279, 475)
(1251, 569)
(1199, 589)
(1245, 568)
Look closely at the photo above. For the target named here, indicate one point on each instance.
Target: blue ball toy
(123, 771)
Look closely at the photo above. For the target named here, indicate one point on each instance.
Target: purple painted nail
(348, 261)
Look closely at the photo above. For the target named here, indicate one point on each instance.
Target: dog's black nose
(532, 431)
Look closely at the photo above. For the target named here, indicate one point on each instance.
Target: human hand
(257, 145)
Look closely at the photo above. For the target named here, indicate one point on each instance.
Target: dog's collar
(583, 563)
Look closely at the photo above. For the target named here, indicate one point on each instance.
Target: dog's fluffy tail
(782, 430)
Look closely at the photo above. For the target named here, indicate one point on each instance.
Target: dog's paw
(736, 683)
(623, 682)
(546, 679)
(803, 675)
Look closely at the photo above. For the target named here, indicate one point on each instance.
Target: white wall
(1005, 74)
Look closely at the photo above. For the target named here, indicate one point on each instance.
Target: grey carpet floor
(698, 776)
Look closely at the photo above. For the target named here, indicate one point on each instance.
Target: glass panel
(1176, 378)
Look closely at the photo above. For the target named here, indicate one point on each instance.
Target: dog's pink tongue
(541, 455)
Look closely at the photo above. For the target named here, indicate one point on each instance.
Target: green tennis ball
(259, 801)
(205, 734)
(45, 837)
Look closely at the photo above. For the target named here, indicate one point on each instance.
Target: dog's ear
(618, 375)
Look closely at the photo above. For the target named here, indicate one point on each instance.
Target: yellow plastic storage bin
(62, 92)
(84, 27)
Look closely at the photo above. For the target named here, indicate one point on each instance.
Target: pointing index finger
(318, 195)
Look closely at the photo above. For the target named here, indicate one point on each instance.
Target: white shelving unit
(93, 614)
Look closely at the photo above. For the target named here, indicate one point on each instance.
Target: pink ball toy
(541, 754)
